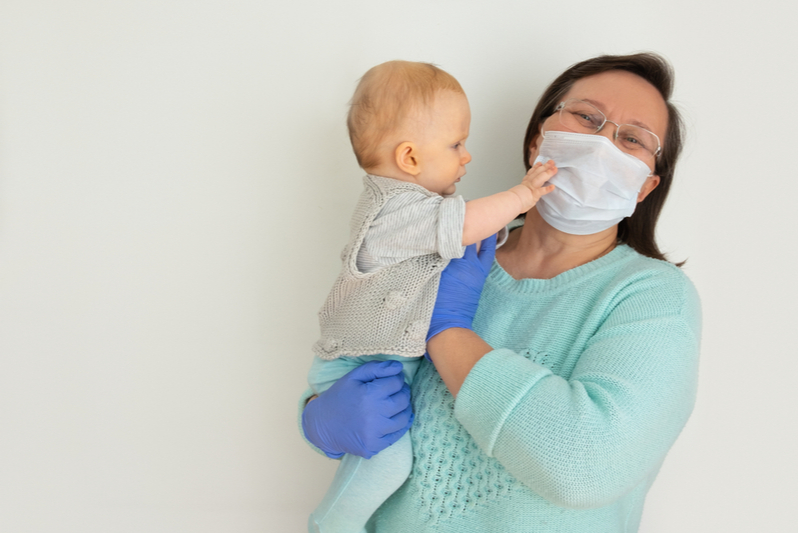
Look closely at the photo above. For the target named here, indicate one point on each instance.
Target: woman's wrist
(454, 352)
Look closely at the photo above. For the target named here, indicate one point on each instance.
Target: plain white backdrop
(175, 188)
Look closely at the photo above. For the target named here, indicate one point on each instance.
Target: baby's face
(444, 128)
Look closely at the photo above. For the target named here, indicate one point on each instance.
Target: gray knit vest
(383, 312)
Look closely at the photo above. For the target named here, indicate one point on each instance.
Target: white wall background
(175, 187)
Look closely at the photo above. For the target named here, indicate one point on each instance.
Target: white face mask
(597, 184)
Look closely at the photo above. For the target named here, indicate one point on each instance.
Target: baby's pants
(360, 485)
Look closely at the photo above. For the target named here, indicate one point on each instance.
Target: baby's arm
(486, 216)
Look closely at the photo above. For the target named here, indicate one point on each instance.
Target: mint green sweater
(563, 427)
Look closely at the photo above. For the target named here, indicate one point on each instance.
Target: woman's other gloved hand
(460, 288)
(367, 410)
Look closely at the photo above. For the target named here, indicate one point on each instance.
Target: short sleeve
(413, 224)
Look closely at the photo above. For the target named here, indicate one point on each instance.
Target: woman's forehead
(624, 97)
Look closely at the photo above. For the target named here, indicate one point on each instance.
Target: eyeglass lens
(583, 117)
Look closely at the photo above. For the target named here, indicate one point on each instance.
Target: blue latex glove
(460, 288)
(367, 410)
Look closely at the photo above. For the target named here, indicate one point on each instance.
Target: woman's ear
(649, 184)
(406, 156)
(533, 148)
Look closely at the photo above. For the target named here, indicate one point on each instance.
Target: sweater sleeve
(584, 441)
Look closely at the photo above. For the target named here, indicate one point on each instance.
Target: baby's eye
(457, 145)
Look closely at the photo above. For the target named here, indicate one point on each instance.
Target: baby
(408, 123)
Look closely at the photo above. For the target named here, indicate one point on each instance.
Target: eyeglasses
(582, 117)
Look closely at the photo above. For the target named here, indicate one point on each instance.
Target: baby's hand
(532, 187)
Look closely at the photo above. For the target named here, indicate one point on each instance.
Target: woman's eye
(586, 119)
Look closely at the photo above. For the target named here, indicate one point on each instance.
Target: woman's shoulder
(660, 282)
(639, 262)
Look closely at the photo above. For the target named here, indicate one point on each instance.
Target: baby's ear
(406, 157)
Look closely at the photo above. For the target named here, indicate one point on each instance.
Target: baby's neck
(390, 171)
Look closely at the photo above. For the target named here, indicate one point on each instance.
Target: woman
(552, 407)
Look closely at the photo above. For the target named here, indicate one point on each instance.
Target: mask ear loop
(652, 173)
(541, 133)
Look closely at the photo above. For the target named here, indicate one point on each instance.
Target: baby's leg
(324, 373)
(360, 485)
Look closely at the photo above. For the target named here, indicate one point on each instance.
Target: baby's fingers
(539, 174)
(541, 191)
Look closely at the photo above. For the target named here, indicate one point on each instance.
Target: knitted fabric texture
(386, 311)
(564, 426)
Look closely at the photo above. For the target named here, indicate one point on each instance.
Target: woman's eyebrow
(640, 124)
(600, 106)
(595, 103)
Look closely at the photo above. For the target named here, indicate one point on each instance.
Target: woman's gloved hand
(460, 288)
(367, 410)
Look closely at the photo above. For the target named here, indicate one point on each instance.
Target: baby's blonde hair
(385, 97)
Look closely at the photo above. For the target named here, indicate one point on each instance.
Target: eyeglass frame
(560, 107)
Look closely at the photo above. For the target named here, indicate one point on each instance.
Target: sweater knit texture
(388, 310)
(565, 424)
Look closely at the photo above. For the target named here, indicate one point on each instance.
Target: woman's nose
(608, 130)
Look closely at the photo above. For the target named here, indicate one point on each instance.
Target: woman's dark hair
(638, 230)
